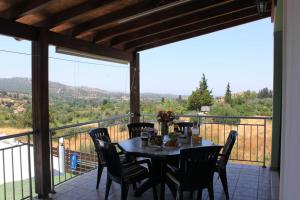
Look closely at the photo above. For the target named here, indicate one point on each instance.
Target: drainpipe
(61, 156)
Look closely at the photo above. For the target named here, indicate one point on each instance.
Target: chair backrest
(227, 148)
(182, 125)
(99, 134)
(197, 165)
(111, 158)
(134, 129)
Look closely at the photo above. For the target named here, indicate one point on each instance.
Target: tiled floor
(246, 182)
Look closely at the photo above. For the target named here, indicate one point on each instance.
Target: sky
(242, 56)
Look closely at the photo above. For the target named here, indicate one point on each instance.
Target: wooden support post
(40, 114)
(135, 88)
(277, 88)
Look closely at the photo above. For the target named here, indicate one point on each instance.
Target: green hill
(66, 92)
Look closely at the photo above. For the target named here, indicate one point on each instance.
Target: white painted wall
(16, 163)
(290, 144)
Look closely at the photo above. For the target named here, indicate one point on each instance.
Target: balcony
(246, 182)
(248, 174)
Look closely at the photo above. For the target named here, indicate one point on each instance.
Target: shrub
(223, 109)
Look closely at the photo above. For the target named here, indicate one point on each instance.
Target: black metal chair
(182, 125)
(134, 129)
(102, 133)
(123, 174)
(195, 172)
(223, 159)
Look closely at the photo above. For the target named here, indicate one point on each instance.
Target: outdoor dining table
(159, 157)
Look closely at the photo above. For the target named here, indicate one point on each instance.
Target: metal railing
(16, 168)
(253, 143)
(72, 143)
(67, 142)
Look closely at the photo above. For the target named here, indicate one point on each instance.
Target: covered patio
(116, 31)
(246, 182)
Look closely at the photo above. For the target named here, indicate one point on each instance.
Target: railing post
(199, 122)
(29, 166)
(265, 133)
(51, 163)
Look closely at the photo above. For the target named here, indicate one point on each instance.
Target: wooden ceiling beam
(114, 17)
(24, 8)
(158, 17)
(19, 30)
(202, 15)
(202, 25)
(65, 15)
(197, 33)
(87, 47)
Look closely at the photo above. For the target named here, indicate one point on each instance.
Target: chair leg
(124, 191)
(199, 195)
(211, 191)
(134, 186)
(191, 194)
(155, 197)
(108, 184)
(223, 178)
(179, 195)
(172, 188)
(100, 169)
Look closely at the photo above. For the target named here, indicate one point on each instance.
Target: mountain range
(62, 91)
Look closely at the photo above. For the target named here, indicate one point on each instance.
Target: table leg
(163, 177)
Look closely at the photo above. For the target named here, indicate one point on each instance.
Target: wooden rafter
(201, 25)
(87, 47)
(23, 31)
(24, 8)
(159, 17)
(201, 15)
(126, 27)
(18, 30)
(114, 17)
(197, 33)
(64, 15)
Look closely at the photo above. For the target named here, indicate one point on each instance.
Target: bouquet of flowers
(166, 119)
(165, 116)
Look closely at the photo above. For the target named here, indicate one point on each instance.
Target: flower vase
(164, 128)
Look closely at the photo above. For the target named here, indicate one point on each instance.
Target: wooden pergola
(116, 29)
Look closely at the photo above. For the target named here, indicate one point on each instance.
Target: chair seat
(184, 183)
(134, 172)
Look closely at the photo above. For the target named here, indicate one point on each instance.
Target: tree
(223, 109)
(264, 93)
(179, 97)
(104, 102)
(201, 96)
(228, 94)
(194, 101)
(203, 83)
